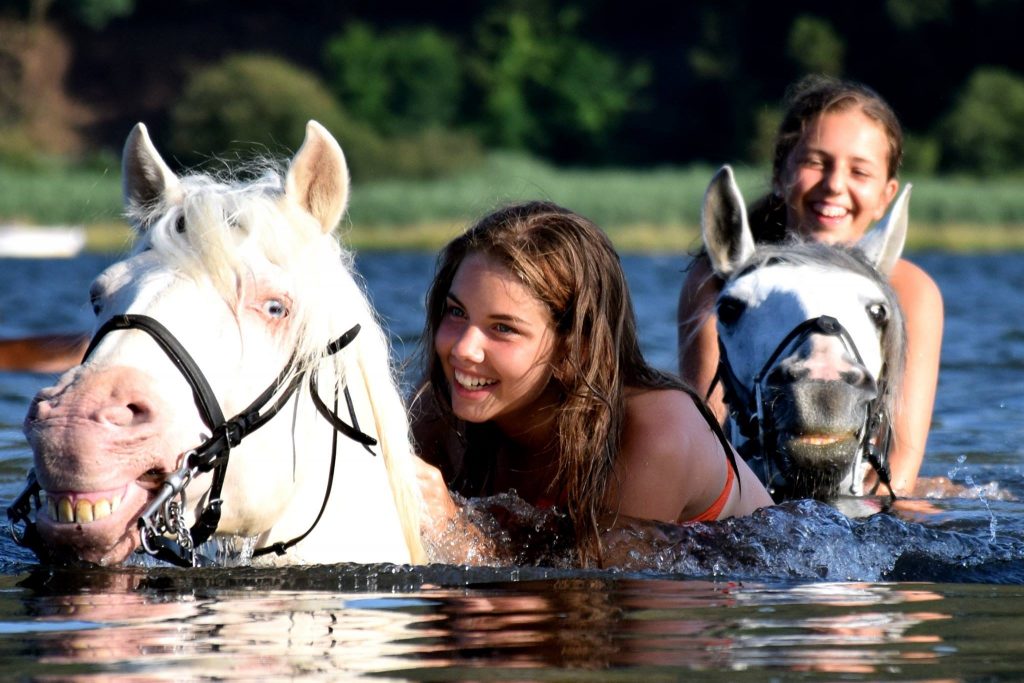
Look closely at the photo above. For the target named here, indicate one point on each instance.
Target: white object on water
(23, 241)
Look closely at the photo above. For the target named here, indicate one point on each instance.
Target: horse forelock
(219, 216)
(843, 258)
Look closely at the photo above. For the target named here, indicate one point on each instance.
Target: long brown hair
(569, 265)
(807, 100)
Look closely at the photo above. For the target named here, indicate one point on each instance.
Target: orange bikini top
(711, 514)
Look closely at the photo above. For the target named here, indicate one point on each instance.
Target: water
(801, 591)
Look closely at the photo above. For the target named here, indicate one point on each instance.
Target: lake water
(797, 593)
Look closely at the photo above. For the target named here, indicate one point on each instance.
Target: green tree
(814, 46)
(400, 82)
(984, 132)
(545, 89)
(249, 104)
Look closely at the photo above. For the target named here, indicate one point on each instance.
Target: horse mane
(794, 251)
(221, 213)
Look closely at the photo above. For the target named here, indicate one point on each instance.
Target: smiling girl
(535, 383)
(834, 173)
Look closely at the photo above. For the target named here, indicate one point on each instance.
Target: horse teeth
(51, 508)
(64, 511)
(115, 503)
(101, 509)
(83, 511)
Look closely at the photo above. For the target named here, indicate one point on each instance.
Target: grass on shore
(646, 210)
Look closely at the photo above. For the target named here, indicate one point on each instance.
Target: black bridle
(755, 419)
(165, 514)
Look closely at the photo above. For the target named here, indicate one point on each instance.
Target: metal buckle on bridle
(166, 515)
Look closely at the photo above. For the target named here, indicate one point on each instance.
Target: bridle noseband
(755, 419)
(165, 514)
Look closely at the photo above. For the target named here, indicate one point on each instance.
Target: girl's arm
(921, 302)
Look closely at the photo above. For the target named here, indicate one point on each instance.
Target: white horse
(237, 301)
(811, 348)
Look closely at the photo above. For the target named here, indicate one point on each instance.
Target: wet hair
(806, 101)
(571, 267)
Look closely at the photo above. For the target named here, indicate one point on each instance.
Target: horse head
(208, 402)
(811, 347)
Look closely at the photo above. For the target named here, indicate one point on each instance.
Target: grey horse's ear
(145, 178)
(724, 225)
(318, 178)
(883, 244)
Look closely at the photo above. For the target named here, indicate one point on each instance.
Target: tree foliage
(984, 132)
(399, 82)
(256, 105)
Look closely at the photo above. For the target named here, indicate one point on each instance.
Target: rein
(165, 514)
(754, 418)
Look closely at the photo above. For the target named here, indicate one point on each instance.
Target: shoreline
(633, 238)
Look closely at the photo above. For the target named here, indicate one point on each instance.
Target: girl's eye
(453, 311)
(502, 328)
(274, 308)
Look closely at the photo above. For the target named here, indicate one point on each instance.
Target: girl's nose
(469, 345)
(835, 180)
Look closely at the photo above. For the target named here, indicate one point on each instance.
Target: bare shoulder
(664, 423)
(918, 293)
(701, 285)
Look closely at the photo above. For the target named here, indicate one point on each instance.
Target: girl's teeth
(832, 211)
(472, 382)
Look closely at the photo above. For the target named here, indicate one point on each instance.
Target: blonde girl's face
(495, 342)
(836, 181)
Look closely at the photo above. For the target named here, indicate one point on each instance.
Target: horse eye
(179, 225)
(729, 310)
(96, 299)
(275, 309)
(879, 314)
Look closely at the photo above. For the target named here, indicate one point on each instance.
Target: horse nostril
(786, 373)
(855, 377)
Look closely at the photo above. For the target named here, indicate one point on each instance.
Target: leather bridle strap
(206, 401)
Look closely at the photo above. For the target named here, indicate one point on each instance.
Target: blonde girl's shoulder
(918, 293)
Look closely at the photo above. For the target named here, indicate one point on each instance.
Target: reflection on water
(928, 591)
(243, 624)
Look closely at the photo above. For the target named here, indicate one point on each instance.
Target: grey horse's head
(811, 339)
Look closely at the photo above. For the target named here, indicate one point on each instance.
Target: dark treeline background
(581, 83)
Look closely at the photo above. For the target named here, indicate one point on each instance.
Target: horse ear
(883, 244)
(318, 177)
(724, 225)
(145, 177)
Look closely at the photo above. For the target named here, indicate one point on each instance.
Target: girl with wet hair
(535, 383)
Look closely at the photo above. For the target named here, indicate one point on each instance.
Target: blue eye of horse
(275, 309)
(729, 310)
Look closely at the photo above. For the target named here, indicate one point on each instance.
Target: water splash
(982, 493)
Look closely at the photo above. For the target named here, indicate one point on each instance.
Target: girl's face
(836, 182)
(496, 344)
